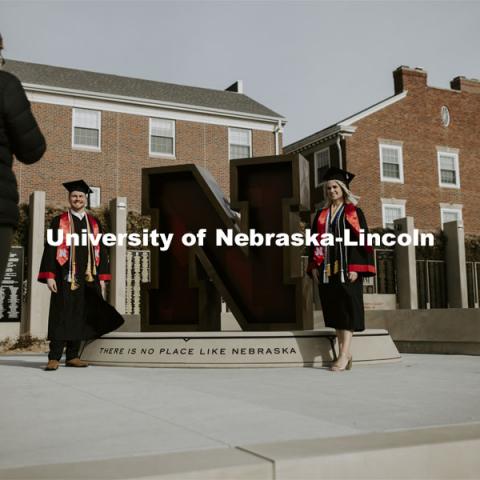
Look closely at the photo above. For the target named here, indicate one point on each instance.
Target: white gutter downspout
(278, 129)
(339, 148)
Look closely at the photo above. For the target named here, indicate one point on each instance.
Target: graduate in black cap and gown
(339, 269)
(76, 276)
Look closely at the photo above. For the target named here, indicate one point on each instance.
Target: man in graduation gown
(76, 276)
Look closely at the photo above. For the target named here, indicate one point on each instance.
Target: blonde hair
(348, 196)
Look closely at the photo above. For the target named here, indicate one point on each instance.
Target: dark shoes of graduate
(76, 362)
(52, 365)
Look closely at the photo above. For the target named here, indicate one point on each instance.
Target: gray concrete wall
(132, 324)
(118, 254)
(35, 321)
(406, 268)
(456, 267)
(452, 330)
(9, 330)
(380, 301)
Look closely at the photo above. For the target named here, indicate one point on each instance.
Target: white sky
(314, 62)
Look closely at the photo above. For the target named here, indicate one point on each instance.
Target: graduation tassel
(325, 273)
(342, 274)
(74, 284)
(69, 275)
(72, 274)
(326, 260)
(91, 271)
(346, 250)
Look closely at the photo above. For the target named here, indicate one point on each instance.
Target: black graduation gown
(80, 314)
(342, 302)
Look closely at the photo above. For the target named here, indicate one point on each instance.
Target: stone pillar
(406, 267)
(456, 266)
(118, 254)
(35, 322)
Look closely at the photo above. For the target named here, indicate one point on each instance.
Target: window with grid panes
(94, 197)
(448, 169)
(391, 162)
(450, 215)
(391, 213)
(162, 136)
(322, 160)
(86, 128)
(239, 143)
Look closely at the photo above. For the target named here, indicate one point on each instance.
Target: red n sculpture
(265, 287)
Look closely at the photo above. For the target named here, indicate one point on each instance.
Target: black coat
(19, 136)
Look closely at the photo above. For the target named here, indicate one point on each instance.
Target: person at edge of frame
(76, 276)
(338, 269)
(19, 136)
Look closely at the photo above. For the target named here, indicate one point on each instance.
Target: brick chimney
(235, 87)
(406, 78)
(470, 85)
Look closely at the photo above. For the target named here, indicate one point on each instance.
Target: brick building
(106, 128)
(416, 153)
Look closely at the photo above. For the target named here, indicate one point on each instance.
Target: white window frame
(454, 155)
(399, 148)
(249, 140)
(451, 209)
(392, 204)
(159, 154)
(87, 147)
(315, 161)
(98, 192)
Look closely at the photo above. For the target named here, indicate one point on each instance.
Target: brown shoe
(76, 362)
(52, 365)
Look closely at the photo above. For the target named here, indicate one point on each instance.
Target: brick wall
(124, 152)
(416, 122)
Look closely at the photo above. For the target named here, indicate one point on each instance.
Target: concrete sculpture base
(235, 349)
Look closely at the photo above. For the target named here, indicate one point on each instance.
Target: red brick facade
(116, 169)
(415, 123)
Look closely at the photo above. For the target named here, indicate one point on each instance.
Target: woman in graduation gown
(76, 276)
(337, 268)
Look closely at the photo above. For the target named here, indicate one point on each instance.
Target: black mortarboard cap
(335, 173)
(78, 186)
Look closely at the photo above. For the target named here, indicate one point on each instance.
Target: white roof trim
(345, 127)
(148, 111)
(151, 103)
(375, 108)
(312, 140)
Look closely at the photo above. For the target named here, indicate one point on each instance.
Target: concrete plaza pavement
(77, 415)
